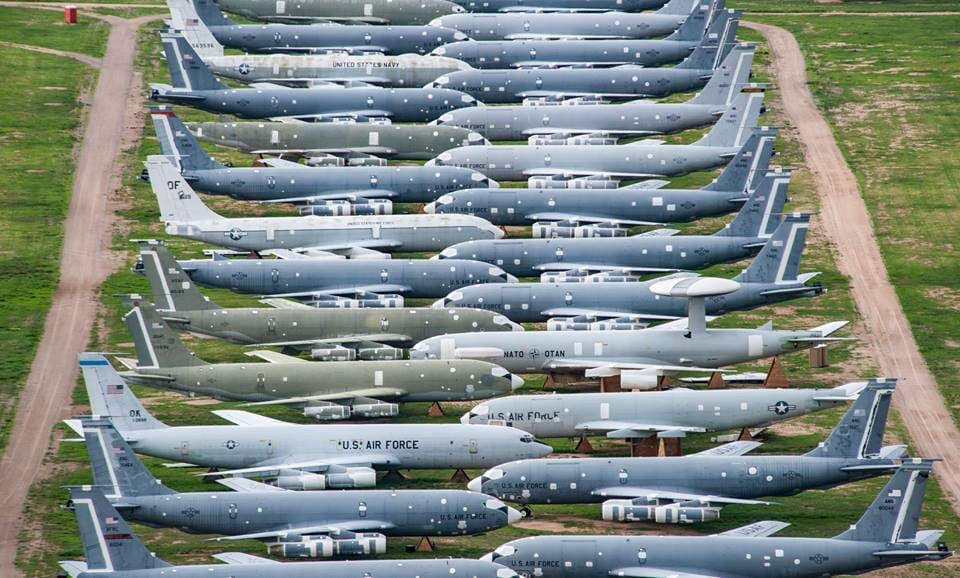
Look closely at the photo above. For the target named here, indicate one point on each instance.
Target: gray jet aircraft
(308, 524)
(559, 5)
(561, 158)
(583, 26)
(657, 251)
(291, 182)
(299, 456)
(113, 551)
(693, 488)
(566, 212)
(625, 82)
(185, 215)
(193, 84)
(773, 277)
(581, 118)
(335, 332)
(193, 17)
(885, 536)
(395, 12)
(324, 391)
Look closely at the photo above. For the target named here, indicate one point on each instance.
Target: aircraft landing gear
(526, 512)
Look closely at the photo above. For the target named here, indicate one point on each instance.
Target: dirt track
(846, 220)
(84, 264)
(86, 59)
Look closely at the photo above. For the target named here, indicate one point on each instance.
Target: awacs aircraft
(583, 118)
(574, 158)
(291, 182)
(396, 12)
(626, 82)
(559, 5)
(773, 277)
(584, 212)
(328, 142)
(886, 535)
(582, 53)
(693, 488)
(114, 551)
(300, 456)
(185, 215)
(657, 251)
(193, 17)
(308, 524)
(193, 84)
(581, 26)
(670, 413)
(325, 391)
(341, 331)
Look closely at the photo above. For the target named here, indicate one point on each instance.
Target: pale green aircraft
(396, 12)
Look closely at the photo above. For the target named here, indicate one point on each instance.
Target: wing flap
(755, 530)
(246, 418)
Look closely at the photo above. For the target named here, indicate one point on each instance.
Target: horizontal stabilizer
(246, 418)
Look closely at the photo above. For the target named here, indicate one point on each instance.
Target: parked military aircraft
(342, 11)
(322, 142)
(573, 158)
(113, 551)
(308, 524)
(693, 488)
(565, 212)
(185, 215)
(657, 251)
(585, 26)
(197, 18)
(773, 276)
(193, 84)
(338, 332)
(291, 182)
(324, 391)
(886, 535)
(582, 53)
(582, 118)
(299, 456)
(559, 5)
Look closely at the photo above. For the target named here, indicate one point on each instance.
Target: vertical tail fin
(177, 199)
(171, 286)
(109, 543)
(729, 79)
(860, 432)
(694, 28)
(779, 260)
(157, 345)
(681, 7)
(716, 44)
(115, 465)
(186, 17)
(760, 215)
(738, 121)
(187, 70)
(749, 165)
(894, 515)
(177, 142)
(111, 397)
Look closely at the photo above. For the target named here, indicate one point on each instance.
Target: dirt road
(847, 222)
(84, 264)
(84, 58)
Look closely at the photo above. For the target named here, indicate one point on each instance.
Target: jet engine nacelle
(368, 300)
(567, 229)
(379, 353)
(639, 379)
(571, 276)
(327, 412)
(325, 161)
(334, 354)
(341, 208)
(588, 231)
(337, 478)
(629, 511)
(379, 409)
(359, 544)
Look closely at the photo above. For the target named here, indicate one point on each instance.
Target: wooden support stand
(670, 447)
(776, 376)
(665, 382)
(393, 476)
(435, 410)
(745, 435)
(583, 446)
(610, 384)
(818, 358)
(644, 447)
(717, 381)
(460, 476)
(425, 544)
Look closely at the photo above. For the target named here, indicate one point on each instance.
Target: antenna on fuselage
(695, 290)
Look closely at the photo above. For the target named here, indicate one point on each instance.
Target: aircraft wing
(368, 244)
(546, 36)
(626, 429)
(351, 526)
(319, 464)
(275, 357)
(375, 392)
(375, 337)
(541, 64)
(659, 233)
(608, 368)
(580, 218)
(339, 291)
(628, 492)
(648, 185)
(602, 314)
(737, 448)
(755, 530)
(281, 163)
(354, 114)
(349, 195)
(378, 151)
(246, 485)
(566, 94)
(240, 417)
(278, 303)
(648, 572)
(561, 172)
(545, 130)
(241, 558)
(564, 266)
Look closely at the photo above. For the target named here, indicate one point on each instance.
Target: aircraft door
(508, 253)
(261, 383)
(515, 298)
(578, 556)
(562, 477)
(271, 325)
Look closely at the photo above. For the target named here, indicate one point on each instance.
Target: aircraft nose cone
(430, 208)
(516, 382)
(513, 515)
(475, 485)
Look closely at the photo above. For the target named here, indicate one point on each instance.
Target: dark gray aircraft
(113, 551)
(193, 84)
(693, 488)
(324, 391)
(582, 53)
(342, 11)
(565, 212)
(657, 251)
(333, 332)
(585, 26)
(298, 456)
(579, 118)
(199, 18)
(562, 159)
(323, 142)
(772, 277)
(559, 5)
(626, 82)
(291, 182)
(886, 535)
(308, 524)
